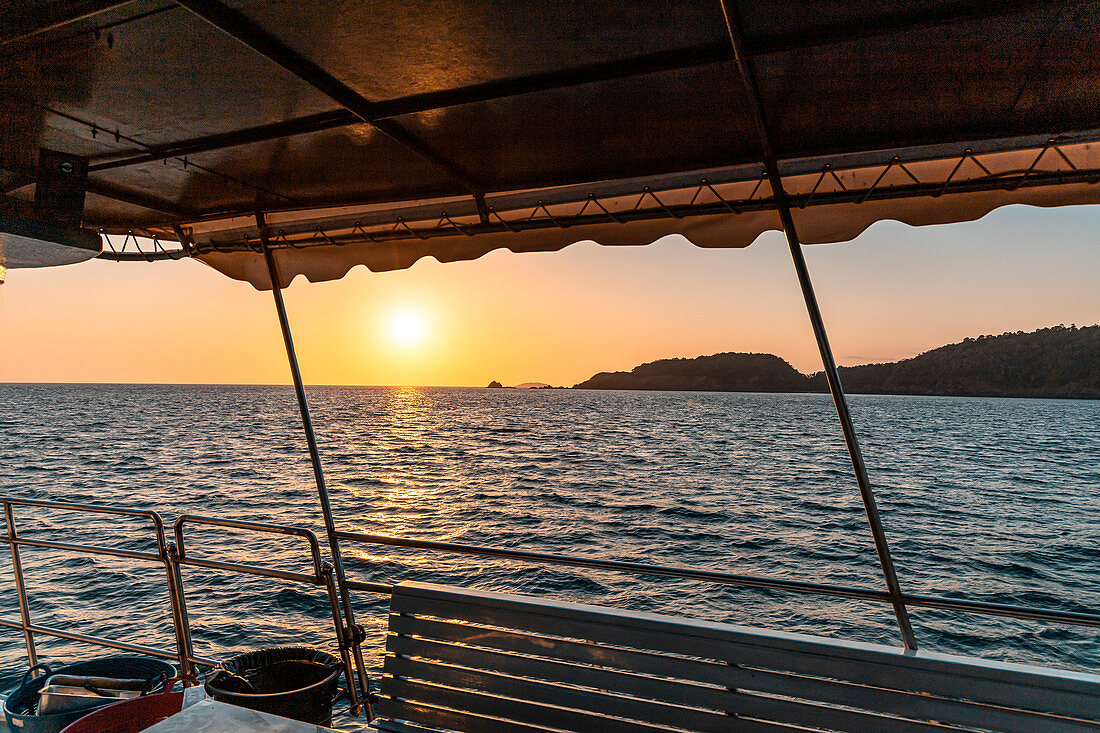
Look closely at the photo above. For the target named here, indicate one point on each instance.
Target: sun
(407, 328)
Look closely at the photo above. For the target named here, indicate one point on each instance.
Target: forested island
(1051, 362)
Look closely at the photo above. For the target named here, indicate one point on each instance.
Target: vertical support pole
(184, 649)
(351, 629)
(771, 168)
(167, 552)
(20, 587)
(338, 624)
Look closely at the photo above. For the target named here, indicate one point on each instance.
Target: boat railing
(172, 556)
(180, 552)
(976, 607)
(162, 556)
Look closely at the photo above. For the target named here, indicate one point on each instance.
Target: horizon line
(808, 375)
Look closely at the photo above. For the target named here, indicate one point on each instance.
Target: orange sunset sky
(559, 317)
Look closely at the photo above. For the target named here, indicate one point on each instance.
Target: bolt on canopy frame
(355, 133)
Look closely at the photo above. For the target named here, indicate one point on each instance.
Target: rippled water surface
(990, 499)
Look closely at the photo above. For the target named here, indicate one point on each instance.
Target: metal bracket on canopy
(59, 187)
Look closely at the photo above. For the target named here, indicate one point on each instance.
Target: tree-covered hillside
(1050, 362)
(718, 373)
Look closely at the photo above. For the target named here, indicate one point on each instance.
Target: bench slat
(1013, 686)
(671, 691)
(582, 652)
(917, 706)
(455, 720)
(617, 677)
(520, 711)
(753, 706)
(400, 726)
(401, 710)
(599, 703)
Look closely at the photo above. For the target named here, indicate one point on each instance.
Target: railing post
(344, 636)
(20, 587)
(771, 168)
(184, 649)
(167, 553)
(314, 454)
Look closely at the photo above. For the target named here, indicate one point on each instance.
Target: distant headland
(1051, 362)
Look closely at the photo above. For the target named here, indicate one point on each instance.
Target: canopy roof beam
(243, 29)
(95, 129)
(221, 141)
(747, 73)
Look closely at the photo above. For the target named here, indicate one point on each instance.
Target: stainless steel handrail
(173, 556)
(92, 549)
(314, 547)
(20, 587)
(636, 568)
(384, 589)
(983, 608)
(866, 594)
(103, 641)
(163, 556)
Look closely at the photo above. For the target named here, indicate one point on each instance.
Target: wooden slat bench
(466, 660)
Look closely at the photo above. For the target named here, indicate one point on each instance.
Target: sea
(992, 499)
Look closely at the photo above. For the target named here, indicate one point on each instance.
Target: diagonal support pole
(771, 169)
(352, 638)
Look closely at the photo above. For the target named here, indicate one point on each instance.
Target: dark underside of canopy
(420, 125)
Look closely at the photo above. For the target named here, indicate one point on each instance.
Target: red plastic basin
(129, 716)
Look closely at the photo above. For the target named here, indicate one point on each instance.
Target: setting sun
(407, 328)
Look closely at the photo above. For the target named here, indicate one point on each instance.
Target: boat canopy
(379, 133)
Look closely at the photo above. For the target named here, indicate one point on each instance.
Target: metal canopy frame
(244, 30)
(682, 197)
(354, 109)
(353, 633)
(673, 197)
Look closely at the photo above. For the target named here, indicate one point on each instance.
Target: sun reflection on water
(402, 488)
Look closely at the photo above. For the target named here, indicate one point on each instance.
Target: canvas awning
(379, 133)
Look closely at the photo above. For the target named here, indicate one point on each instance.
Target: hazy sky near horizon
(557, 317)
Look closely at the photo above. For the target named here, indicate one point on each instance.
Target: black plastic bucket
(20, 705)
(297, 682)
